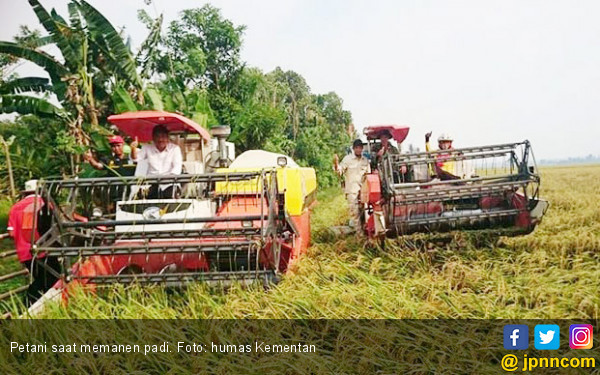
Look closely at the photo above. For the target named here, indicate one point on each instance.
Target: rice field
(552, 273)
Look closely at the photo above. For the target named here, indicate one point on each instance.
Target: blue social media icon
(546, 336)
(516, 336)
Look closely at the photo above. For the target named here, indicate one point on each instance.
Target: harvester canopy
(140, 124)
(398, 132)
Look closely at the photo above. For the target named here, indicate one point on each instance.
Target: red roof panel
(140, 124)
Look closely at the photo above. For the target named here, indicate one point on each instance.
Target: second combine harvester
(493, 188)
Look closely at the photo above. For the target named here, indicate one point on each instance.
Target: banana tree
(93, 60)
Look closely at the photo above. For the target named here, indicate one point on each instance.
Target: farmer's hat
(30, 186)
(116, 140)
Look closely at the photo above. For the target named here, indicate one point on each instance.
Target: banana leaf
(24, 105)
(26, 84)
(56, 31)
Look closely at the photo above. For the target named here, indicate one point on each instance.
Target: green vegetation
(5, 205)
(194, 67)
(552, 273)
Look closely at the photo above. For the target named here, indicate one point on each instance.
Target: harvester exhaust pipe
(221, 132)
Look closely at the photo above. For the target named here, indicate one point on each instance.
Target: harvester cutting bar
(211, 219)
(193, 233)
(458, 192)
(182, 277)
(152, 249)
(133, 181)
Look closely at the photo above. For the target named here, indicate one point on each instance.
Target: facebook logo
(516, 336)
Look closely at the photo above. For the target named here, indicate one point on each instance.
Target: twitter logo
(547, 336)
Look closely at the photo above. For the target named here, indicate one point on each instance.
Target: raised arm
(87, 156)
(427, 145)
(134, 149)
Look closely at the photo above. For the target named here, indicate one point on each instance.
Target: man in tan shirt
(353, 167)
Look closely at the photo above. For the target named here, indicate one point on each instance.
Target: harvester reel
(190, 240)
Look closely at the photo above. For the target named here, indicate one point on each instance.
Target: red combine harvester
(245, 219)
(490, 187)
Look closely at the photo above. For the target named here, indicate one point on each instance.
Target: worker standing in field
(22, 218)
(353, 167)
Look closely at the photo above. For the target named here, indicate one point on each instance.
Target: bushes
(38, 150)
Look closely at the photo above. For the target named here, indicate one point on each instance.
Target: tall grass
(552, 273)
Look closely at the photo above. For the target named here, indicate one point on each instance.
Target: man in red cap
(118, 160)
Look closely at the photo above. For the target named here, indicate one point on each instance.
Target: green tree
(204, 48)
(93, 60)
(202, 52)
(293, 91)
(194, 69)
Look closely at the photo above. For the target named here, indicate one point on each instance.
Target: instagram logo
(581, 336)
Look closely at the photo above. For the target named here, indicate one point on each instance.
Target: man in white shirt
(354, 166)
(159, 159)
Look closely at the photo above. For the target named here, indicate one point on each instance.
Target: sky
(484, 71)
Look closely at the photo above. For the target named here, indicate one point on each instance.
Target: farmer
(21, 220)
(385, 147)
(443, 168)
(118, 161)
(158, 159)
(353, 167)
